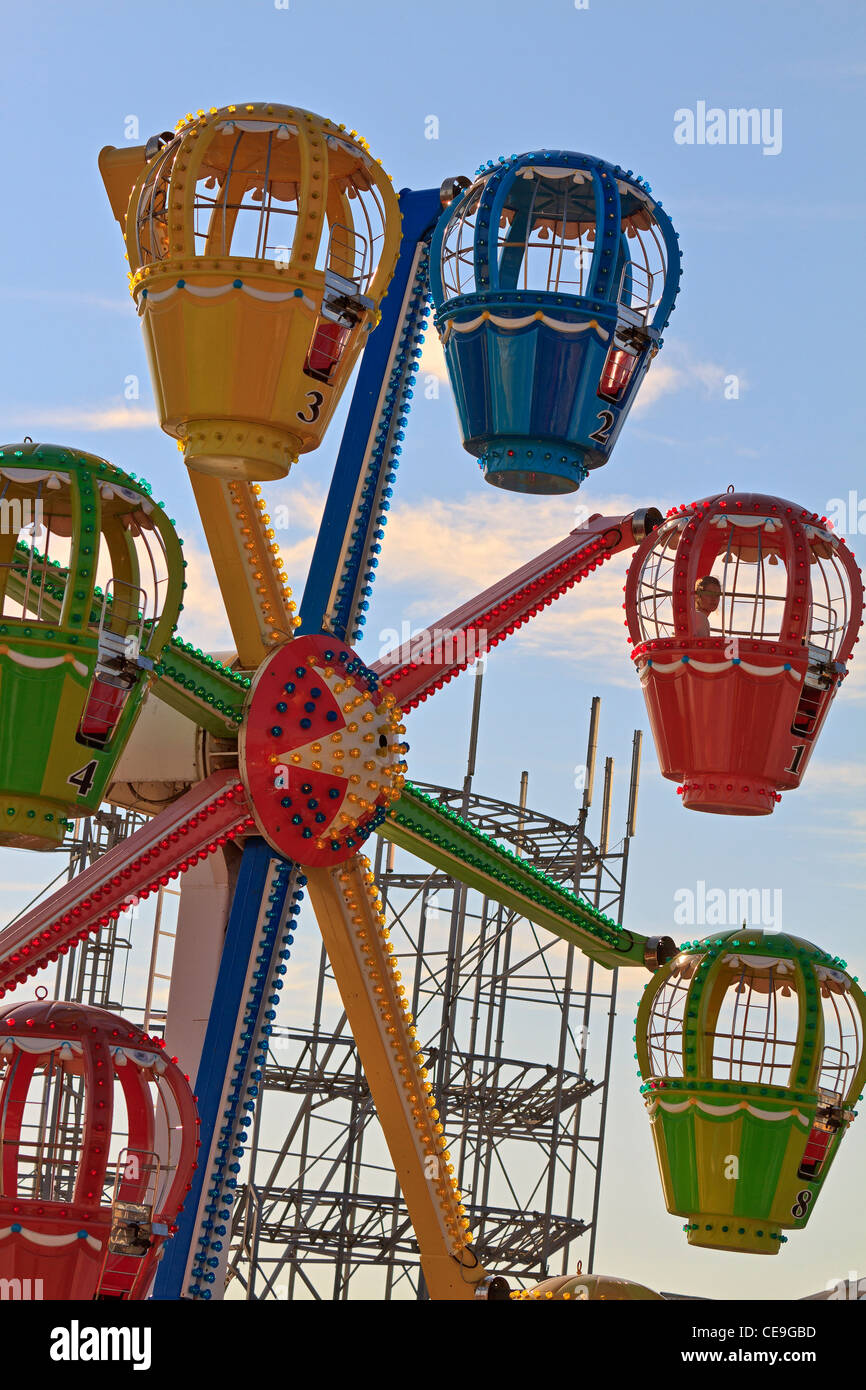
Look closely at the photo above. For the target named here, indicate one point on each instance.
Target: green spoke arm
(200, 687)
(439, 836)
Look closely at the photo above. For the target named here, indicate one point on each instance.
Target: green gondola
(750, 1047)
(91, 579)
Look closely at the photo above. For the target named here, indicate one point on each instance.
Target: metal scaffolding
(517, 1029)
(95, 972)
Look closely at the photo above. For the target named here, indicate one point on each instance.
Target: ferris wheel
(269, 255)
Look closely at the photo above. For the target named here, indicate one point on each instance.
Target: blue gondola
(553, 277)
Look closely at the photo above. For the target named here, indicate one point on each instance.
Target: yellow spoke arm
(357, 942)
(249, 572)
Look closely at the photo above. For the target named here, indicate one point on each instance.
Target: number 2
(600, 435)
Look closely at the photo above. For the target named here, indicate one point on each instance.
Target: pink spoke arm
(193, 827)
(423, 664)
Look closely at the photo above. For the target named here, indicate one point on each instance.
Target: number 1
(798, 749)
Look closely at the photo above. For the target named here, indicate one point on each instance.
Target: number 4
(83, 778)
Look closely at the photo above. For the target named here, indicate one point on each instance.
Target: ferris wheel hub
(321, 755)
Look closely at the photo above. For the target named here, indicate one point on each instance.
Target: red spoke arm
(190, 829)
(424, 663)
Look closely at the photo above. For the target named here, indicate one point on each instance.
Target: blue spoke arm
(258, 938)
(349, 541)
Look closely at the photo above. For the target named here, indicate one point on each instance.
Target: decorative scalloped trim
(560, 325)
(677, 1107)
(41, 1238)
(710, 667)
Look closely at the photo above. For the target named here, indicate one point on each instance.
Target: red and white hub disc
(321, 755)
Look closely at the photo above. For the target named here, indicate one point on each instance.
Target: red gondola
(98, 1141)
(743, 611)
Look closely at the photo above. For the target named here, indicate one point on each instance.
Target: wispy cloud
(301, 501)
(662, 379)
(203, 620)
(839, 815)
(439, 553)
(59, 297)
(854, 685)
(432, 361)
(826, 69)
(841, 776)
(97, 418)
(680, 370)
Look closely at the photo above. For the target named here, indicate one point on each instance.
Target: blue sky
(772, 292)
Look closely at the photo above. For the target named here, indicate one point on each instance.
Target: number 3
(315, 398)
